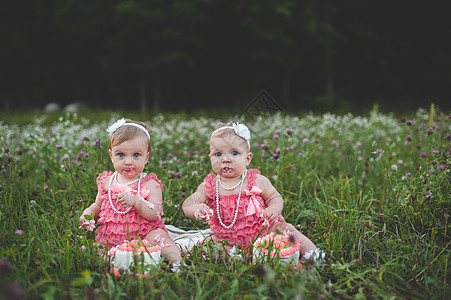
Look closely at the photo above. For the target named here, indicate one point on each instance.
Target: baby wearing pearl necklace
(128, 205)
(238, 203)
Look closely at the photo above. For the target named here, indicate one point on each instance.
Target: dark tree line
(182, 54)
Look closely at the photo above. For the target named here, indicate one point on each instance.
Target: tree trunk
(143, 92)
(155, 95)
(329, 75)
(287, 88)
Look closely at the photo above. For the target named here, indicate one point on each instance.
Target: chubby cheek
(215, 163)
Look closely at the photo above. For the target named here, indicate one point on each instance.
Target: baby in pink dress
(240, 204)
(129, 202)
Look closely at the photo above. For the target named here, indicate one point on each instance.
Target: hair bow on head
(115, 126)
(242, 131)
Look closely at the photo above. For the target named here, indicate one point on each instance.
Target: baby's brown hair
(125, 133)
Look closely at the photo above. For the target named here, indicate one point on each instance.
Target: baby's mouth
(226, 169)
(128, 171)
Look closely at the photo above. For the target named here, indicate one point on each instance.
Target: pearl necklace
(218, 179)
(109, 193)
(233, 187)
(127, 183)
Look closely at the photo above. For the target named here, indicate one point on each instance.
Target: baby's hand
(203, 212)
(127, 199)
(270, 214)
(85, 224)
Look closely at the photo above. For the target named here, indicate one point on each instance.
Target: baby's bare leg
(170, 251)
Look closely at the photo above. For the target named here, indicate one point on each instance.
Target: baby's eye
(136, 155)
(234, 153)
(121, 155)
(218, 154)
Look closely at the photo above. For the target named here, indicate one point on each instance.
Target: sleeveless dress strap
(150, 177)
(252, 177)
(210, 185)
(101, 179)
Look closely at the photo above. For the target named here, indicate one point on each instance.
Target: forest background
(201, 54)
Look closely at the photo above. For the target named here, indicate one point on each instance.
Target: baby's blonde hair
(126, 133)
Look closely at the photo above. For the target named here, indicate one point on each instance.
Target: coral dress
(115, 228)
(249, 221)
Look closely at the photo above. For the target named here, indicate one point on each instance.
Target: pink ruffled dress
(249, 221)
(115, 228)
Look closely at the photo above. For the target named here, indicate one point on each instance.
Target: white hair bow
(240, 129)
(113, 127)
(122, 122)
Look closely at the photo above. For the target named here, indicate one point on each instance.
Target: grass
(373, 192)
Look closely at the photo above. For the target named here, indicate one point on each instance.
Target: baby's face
(229, 155)
(130, 157)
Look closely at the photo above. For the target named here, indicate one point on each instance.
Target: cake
(138, 254)
(275, 246)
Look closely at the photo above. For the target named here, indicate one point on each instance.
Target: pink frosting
(138, 247)
(278, 241)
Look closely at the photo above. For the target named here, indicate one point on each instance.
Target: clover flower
(289, 131)
(18, 232)
(423, 154)
(58, 146)
(305, 140)
(429, 131)
(409, 122)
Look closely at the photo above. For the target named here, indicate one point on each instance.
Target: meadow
(372, 191)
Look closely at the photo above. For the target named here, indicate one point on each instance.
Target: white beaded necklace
(128, 183)
(233, 187)
(218, 179)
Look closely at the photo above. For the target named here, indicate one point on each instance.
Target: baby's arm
(93, 208)
(150, 208)
(194, 206)
(272, 198)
